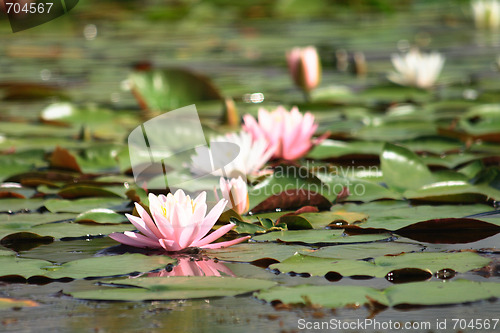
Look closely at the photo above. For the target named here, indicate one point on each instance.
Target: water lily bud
(305, 67)
(235, 191)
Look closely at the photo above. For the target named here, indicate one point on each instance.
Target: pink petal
(164, 226)
(214, 235)
(225, 244)
(148, 220)
(134, 239)
(209, 221)
(169, 245)
(141, 226)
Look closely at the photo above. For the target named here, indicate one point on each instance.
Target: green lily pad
(82, 268)
(362, 251)
(171, 89)
(110, 265)
(418, 293)
(394, 215)
(248, 252)
(286, 179)
(17, 205)
(77, 230)
(86, 204)
(359, 189)
(101, 215)
(318, 237)
(381, 266)
(174, 287)
(403, 169)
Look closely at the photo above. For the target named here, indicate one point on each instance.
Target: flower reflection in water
(188, 266)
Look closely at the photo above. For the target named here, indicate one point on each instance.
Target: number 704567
(28, 8)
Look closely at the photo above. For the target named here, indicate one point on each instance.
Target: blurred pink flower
(178, 222)
(235, 191)
(192, 267)
(304, 67)
(291, 132)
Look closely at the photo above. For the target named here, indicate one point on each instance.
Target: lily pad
(381, 266)
(82, 268)
(173, 287)
(12, 205)
(171, 89)
(403, 169)
(418, 293)
(249, 252)
(318, 237)
(86, 204)
(101, 215)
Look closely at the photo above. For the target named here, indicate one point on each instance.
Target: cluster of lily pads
(370, 196)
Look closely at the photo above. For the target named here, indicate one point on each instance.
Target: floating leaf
(318, 237)
(11, 205)
(249, 252)
(62, 159)
(418, 293)
(174, 287)
(86, 204)
(85, 191)
(82, 268)
(101, 215)
(403, 169)
(381, 266)
(164, 90)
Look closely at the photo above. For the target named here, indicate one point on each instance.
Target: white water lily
(486, 14)
(416, 69)
(252, 156)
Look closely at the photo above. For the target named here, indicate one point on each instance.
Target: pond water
(86, 57)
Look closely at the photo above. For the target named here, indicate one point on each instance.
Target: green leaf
(403, 169)
(174, 287)
(318, 237)
(171, 89)
(11, 205)
(381, 266)
(86, 204)
(418, 293)
(326, 296)
(83, 268)
(110, 265)
(248, 252)
(101, 215)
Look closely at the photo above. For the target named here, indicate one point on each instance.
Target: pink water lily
(235, 191)
(291, 132)
(177, 222)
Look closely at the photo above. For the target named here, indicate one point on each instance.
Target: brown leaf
(449, 230)
(62, 159)
(293, 199)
